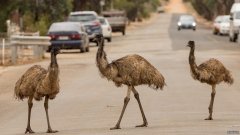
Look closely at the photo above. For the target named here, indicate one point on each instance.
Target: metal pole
(3, 51)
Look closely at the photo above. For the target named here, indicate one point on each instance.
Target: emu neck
(53, 69)
(101, 59)
(192, 62)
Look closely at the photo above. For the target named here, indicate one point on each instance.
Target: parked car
(91, 22)
(221, 25)
(106, 29)
(68, 35)
(117, 20)
(234, 22)
(186, 22)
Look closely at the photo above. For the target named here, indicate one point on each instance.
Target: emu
(37, 83)
(211, 72)
(131, 70)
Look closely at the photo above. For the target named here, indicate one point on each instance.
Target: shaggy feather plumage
(211, 72)
(38, 82)
(131, 70)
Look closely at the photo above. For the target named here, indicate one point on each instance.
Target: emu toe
(209, 118)
(51, 131)
(29, 130)
(116, 127)
(143, 125)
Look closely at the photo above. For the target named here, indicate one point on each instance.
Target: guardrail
(39, 44)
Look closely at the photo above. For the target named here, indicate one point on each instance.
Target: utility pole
(102, 3)
(112, 5)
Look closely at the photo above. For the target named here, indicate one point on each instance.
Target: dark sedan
(69, 35)
(186, 22)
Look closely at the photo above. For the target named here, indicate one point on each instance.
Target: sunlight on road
(176, 6)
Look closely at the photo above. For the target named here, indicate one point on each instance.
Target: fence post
(13, 51)
(3, 51)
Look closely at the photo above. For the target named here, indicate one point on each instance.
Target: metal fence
(21, 48)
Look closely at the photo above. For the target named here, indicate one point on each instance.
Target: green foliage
(37, 15)
(209, 9)
(137, 9)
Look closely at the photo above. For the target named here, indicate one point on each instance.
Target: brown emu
(37, 83)
(131, 70)
(211, 72)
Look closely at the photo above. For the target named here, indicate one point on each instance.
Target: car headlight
(193, 24)
(179, 23)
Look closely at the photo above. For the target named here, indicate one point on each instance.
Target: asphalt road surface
(89, 105)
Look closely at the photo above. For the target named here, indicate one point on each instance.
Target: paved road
(88, 104)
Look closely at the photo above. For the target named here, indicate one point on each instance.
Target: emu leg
(126, 100)
(136, 95)
(30, 104)
(210, 108)
(46, 109)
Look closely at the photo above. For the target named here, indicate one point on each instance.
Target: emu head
(100, 39)
(55, 50)
(191, 44)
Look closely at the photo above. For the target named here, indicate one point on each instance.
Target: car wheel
(235, 38)
(123, 32)
(215, 32)
(179, 28)
(82, 50)
(109, 39)
(96, 43)
(194, 29)
(49, 49)
(87, 49)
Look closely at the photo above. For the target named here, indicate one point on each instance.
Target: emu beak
(187, 46)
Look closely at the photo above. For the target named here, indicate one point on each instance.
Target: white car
(106, 29)
(224, 25)
(234, 22)
(221, 25)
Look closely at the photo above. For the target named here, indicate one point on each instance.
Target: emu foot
(29, 130)
(209, 118)
(116, 127)
(143, 125)
(51, 131)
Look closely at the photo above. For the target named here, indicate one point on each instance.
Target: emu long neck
(101, 60)
(192, 62)
(53, 69)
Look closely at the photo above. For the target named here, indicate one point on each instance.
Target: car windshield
(102, 21)
(238, 15)
(226, 19)
(186, 18)
(218, 19)
(57, 27)
(81, 18)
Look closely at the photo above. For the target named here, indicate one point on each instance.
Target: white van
(234, 22)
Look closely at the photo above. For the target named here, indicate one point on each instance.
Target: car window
(81, 18)
(64, 27)
(237, 15)
(186, 18)
(102, 21)
(218, 19)
(226, 19)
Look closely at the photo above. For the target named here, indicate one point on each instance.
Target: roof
(235, 7)
(83, 12)
(113, 12)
